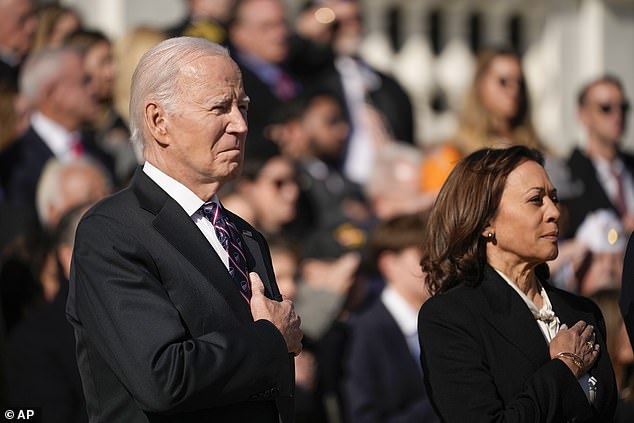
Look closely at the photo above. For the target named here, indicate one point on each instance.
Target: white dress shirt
(191, 203)
(406, 318)
(55, 136)
(609, 182)
(548, 322)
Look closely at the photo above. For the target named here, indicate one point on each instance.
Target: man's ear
(156, 122)
(384, 263)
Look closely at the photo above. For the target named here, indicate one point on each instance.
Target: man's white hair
(156, 77)
(41, 69)
(397, 163)
(49, 186)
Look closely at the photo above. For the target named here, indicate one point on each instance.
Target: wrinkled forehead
(203, 66)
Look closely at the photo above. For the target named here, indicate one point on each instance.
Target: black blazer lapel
(510, 316)
(178, 229)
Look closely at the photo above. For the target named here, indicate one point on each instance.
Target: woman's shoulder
(459, 300)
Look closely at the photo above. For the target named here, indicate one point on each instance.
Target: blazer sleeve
(117, 300)
(626, 299)
(461, 387)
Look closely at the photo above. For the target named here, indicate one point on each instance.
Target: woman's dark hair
(454, 250)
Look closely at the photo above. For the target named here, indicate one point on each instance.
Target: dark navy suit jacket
(383, 382)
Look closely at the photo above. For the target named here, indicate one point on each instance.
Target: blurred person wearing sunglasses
(496, 112)
(605, 171)
(266, 194)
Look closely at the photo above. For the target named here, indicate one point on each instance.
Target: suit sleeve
(118, 302)
(460, 385)
(626, 299)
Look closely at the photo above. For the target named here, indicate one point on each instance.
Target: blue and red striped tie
(230, 239)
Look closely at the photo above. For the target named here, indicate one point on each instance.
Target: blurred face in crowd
(403, 272)
(19, 23)
(215, 9)
(200, 139)
(526, 224)
(500, 87)
(604, 112)
(326, 127)
(70, 97)
(78, 185)
(99, 64)
(348, 27)
(285, 269)
(65, 25)
(261, 30)
(273, 194)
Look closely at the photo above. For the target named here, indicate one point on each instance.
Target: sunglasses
(280, 183)
(506, 82)
(609, 108)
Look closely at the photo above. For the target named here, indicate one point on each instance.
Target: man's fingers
(257, 287)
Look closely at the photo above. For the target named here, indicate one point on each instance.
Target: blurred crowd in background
(333, 177)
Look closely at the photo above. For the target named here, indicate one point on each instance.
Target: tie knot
(211, 211)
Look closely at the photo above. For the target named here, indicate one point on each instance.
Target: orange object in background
(436, 166)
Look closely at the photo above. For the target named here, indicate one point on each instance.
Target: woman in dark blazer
(498, 343)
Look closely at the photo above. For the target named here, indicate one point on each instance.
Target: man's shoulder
(373, 315)
(579, 163)
(117, 206)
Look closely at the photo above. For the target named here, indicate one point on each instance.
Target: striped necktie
(230, 239)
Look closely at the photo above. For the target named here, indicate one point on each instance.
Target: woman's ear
(156, 122)
(488, 233)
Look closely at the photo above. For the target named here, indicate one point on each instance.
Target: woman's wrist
(573, 361)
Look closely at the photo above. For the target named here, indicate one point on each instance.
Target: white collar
(185, 197)
(605, 166)
(404, 314)
(54, 135)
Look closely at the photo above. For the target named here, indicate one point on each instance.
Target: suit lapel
(512, 319)
(178, 229)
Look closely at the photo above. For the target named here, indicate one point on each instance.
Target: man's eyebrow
(219, 100)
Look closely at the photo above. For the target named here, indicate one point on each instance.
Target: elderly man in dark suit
(176, 310)
(259, 42)
(55, 83)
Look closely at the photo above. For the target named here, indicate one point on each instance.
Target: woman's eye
(554, 199)
(536, 199)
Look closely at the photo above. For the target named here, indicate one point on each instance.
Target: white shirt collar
(189, 201)
(405, 315)
(54, 135)
(546, 318)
